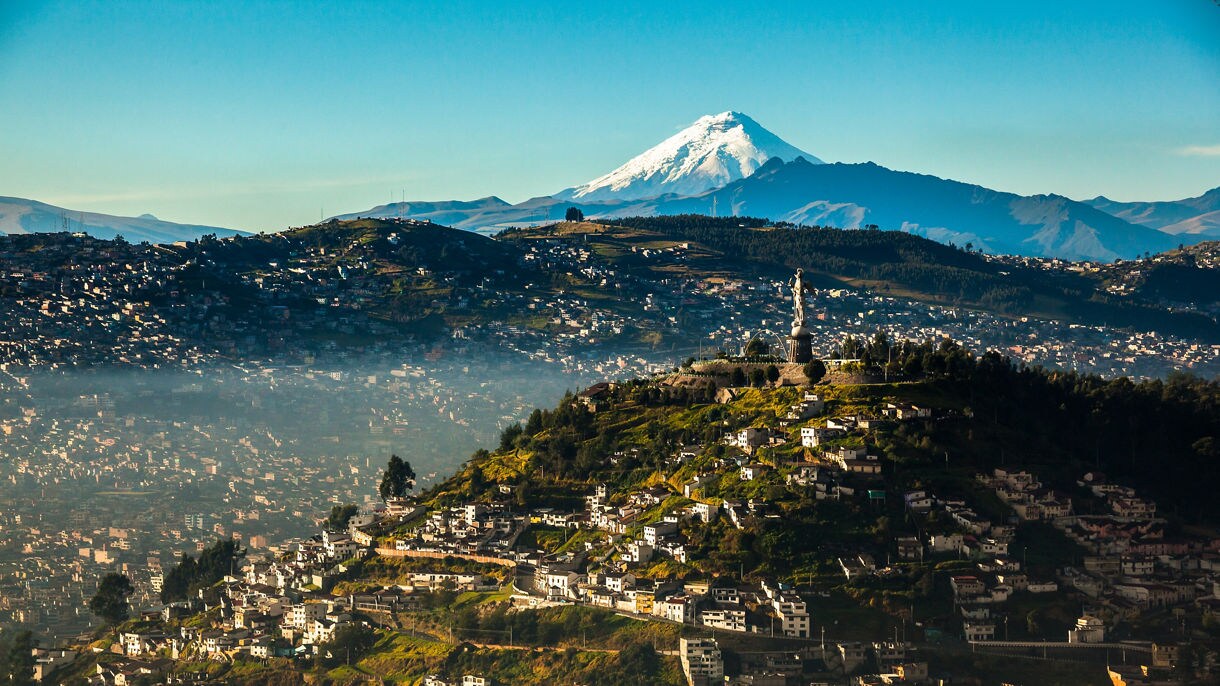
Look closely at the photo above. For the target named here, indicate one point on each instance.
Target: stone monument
(800, 346)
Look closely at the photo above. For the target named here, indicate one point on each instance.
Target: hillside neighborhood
(1105, 576)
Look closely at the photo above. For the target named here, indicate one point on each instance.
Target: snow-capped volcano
(714, 151)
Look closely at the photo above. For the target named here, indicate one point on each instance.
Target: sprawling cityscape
(936, 403)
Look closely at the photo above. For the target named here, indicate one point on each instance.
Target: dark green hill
(1186, 278)
(1159, 435)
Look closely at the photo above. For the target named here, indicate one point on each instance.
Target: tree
(340, 515)
(757, 348)
(737, 378)
(178, 581)
(772, 373)
(638, 659)
(1032, 623)
(758, 378)
(190, 574)
(574, 214)
(814, 370)
(534, 424)
(1190, 658)
(349, 643)
(17, 660)
(110, 601)
(509, 436)
(399, 478)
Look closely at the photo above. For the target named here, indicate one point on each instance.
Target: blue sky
(260, 115)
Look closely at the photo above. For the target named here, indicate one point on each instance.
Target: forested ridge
(1159, 434)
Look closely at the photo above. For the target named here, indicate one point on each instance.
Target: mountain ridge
(943, 210)
(856, 195)
(665, 180)
(23, 215)
(1199, 215)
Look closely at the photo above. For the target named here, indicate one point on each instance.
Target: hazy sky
(259, 115)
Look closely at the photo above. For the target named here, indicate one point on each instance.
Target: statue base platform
(800, 347)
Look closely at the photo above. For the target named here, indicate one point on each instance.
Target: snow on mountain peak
(715, 150)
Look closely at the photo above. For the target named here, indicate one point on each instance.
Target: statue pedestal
(800, 346)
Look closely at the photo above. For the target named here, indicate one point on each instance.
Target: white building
(701, 660)
(978, 631)
(304, 613)
(794, 618)
(678, 608)
(1088, 629)
(729, 620)
(653, 532)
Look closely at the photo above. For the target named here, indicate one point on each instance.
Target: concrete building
(702, 662)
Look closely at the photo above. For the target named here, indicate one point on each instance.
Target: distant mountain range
(852, 196)
(19, 215)
(728, 164)
(1193, 216)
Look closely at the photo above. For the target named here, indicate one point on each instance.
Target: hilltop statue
(799, 289)
(800, 347)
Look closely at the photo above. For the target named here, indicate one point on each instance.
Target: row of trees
(758, 377)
